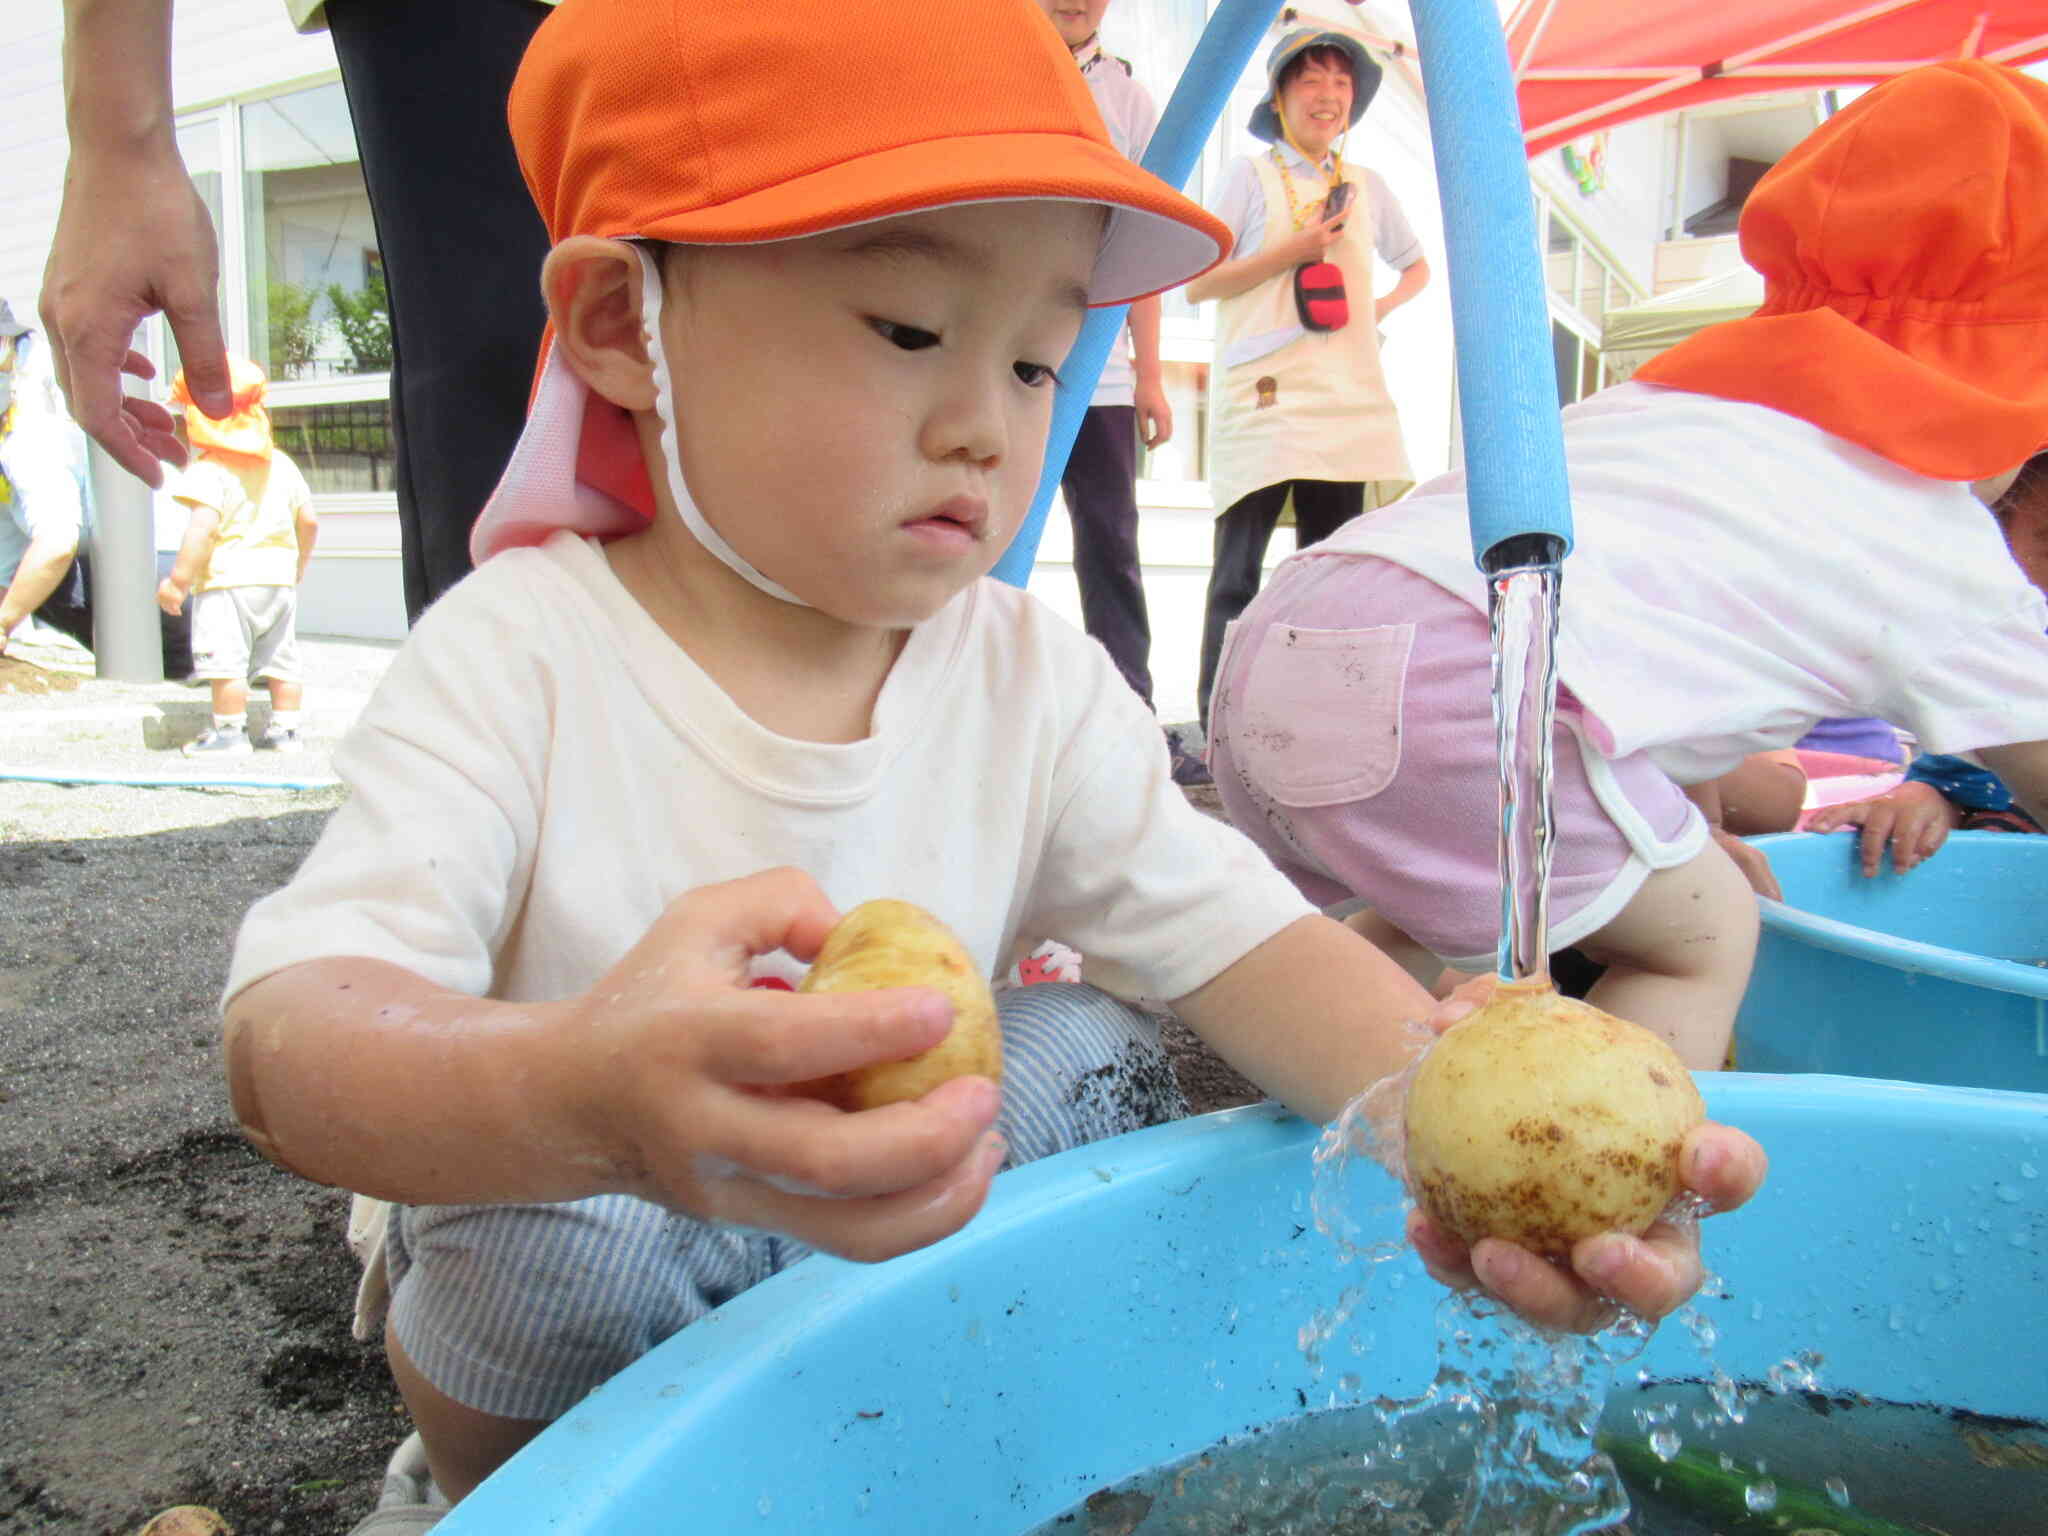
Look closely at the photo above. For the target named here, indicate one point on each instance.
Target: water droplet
(2029, 1171)
(765, 1504)
(1942, 1283)
(1838, 1491)
(1761, 1497)
(1665, 1442)
(2007, 1193)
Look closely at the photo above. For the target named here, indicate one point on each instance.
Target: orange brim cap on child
(698, 123)
(1904, 250)
(245, 430)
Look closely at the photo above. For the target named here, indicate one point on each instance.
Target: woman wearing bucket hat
(1299, 404)
(1781, 520)
(729, 663)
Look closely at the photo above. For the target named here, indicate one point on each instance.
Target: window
(315, 280)
(302, 280)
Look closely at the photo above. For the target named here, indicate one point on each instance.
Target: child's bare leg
(230, 697)
(1414, 958)
(1679, 955)
(464, 1446)
(284, 695)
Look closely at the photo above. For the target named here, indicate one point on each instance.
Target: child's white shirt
(1739, 574)
(542, 772)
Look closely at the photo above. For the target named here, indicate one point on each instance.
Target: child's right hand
(688, 1070)
(1915, 818)
(170, 596)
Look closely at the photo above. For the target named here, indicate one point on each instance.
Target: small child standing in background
(241, 562)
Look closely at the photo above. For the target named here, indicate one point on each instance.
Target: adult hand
(133, 237)
(1755, 867)
(693, 1072)
(1914, 818)
(1651, 1275)
(1155, 412)
(1310, 242)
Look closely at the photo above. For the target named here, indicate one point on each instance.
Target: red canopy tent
(1581, 65)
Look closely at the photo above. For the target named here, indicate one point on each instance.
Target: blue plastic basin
(1135, 1301)
(1921, 976)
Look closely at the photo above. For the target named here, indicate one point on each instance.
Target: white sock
(284, 719)
(230, 722)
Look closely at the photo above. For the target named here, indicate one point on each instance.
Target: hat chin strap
(671, 461)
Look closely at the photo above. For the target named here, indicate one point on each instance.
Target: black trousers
(69, 608)
(1244, 530)
(462, 246)
(1101, 489)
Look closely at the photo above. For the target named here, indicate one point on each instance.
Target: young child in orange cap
(729, 665)
(1780, 520)
(249, 536)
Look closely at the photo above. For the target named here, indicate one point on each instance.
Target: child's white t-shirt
(1738, 574)
(256, 542)
(542, 772)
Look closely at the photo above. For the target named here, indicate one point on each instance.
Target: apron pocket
(1321, 718)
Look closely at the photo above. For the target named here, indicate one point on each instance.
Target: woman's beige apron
(1316, 408)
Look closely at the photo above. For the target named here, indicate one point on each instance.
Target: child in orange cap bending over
(1781, 520)
(729, 665)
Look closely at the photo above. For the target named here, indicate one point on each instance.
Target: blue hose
(1507, 375)
(1198, 100)
(157, 781)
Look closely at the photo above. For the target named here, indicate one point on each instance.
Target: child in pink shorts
(1779, 521)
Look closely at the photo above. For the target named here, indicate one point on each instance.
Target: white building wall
(219, 48)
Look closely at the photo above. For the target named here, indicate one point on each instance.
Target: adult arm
(133, 236)
(1155, 413)
(44, 564)
(1413, 279)
(1228, 279)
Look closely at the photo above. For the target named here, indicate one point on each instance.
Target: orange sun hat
(1904, 250)
(704, 123)
(725, 123)
(245, 430)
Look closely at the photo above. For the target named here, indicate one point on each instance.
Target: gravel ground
(175, 1324)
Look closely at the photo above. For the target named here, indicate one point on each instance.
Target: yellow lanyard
(1294, 209)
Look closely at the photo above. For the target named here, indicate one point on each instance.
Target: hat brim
(1156, 239)
(1948, 402)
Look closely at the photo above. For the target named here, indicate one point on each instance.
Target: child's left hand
(1651, 1275)
(170, 596)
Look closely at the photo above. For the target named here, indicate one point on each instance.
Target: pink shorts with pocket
(1352, 737)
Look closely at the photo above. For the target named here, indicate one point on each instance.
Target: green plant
(364, 319)
(293, 333)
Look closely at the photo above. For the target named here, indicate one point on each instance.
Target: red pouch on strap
(1319, 296)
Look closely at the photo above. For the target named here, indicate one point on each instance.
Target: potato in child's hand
(895, 944)
(1542, 1120)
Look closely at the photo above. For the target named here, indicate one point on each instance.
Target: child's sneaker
(219, 741)
(278, 738)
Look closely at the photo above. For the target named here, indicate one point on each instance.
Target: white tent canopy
(1651, 326)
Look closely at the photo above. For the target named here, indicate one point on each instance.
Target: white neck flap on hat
(672, 464)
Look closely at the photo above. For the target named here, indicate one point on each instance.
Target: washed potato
(894, 944)
(186, 1520)
(1542, 1120)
